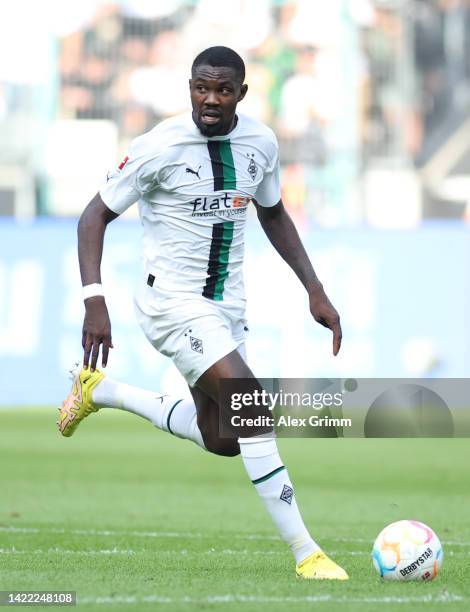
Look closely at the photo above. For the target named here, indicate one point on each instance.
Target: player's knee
(224, 448)
(208, 423)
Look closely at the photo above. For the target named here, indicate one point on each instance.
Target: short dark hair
(221, 57)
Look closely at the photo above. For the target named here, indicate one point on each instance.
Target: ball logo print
(407, 550)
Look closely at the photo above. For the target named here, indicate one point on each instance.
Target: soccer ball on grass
(407, 550)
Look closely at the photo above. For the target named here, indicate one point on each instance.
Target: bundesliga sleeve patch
(116, 171)
(123, 163)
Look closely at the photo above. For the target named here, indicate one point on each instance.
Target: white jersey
(193, 194)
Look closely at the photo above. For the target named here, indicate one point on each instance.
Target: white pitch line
(120, 551)
(65, 551)
(226, 551)
(140, 534)
(152, 599)
(117, 551)
(104, 532)
(189, 535)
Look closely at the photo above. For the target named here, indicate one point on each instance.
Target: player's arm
(283, 235)
(96, 325)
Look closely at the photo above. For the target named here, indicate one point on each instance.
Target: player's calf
(208, 418)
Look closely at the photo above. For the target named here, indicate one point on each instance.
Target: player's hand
(326, 314)
(96, 332)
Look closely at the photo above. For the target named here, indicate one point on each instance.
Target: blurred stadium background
(370, 100)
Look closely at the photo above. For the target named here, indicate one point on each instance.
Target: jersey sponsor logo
(225, 204)
(196, 172)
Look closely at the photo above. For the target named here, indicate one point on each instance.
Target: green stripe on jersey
(217, 268)
(227, 238)
(223, 167)
(228, 166)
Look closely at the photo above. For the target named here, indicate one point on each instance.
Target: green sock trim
(268, 476)
(169, 416)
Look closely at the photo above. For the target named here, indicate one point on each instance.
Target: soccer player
(194, 176)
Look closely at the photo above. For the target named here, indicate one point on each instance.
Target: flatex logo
(213, 206)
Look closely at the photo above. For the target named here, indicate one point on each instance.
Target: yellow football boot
(79, 403)
(320, 567)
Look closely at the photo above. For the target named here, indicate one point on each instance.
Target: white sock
(270, 477)
(178, 416)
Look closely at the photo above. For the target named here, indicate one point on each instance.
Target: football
(407, 550)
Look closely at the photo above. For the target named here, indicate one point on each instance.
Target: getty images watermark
(372, 408)
(283, 401)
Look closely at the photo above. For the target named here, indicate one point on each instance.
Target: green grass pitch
(133, 519)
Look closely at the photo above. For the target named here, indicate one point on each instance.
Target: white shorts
(193, 331)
